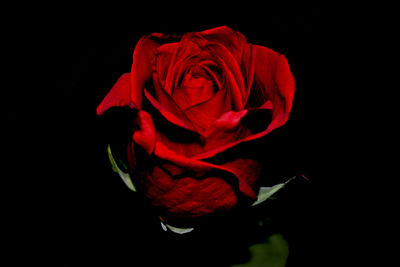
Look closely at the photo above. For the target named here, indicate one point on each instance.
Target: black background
(70, 209)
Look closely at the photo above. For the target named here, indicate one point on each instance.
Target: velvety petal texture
(197, 98)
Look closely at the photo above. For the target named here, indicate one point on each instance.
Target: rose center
(194, 89)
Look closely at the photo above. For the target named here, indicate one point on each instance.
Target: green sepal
(176, 230)
(124, 175)
(266, 192)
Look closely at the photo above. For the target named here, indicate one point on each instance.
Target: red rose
(198, 100)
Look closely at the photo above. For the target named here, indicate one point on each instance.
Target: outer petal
(185, 189)
(187, 197)
(145, 136)
(119, 95)
(142, 64)
(272, 81)
(200, 167)
(234, 41)
(128, 90)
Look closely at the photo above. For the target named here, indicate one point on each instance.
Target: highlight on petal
(219, 32)
(230, 120)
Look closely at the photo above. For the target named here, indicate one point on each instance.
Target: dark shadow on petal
(170, 130)
(258, 120)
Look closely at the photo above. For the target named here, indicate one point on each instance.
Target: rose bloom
(197, 103)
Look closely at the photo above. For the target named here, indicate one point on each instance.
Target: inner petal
(195, 88)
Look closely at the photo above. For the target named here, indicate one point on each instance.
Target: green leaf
(176, 229)
(266, 192)
(272, 253)
(124, 175)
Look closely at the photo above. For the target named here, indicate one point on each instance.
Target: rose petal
(128, 90)
(234, 41)
(119, 95)
(231, 71)
(248, 169)
(142, 64)
(272, 81)
(204, 114)
(206, 196)
(225, 131)
(277, 122)
(210, 67)
(192, 91)
(248, 67)
(131, 157)
(180, 120)
(199, 167)
(164, 56)
(177, 57)
(187, 197)
(187, 50)
(145, 136)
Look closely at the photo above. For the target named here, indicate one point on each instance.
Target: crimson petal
(142, 64)
(119, 95)
(145, 136)
(200, 167)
